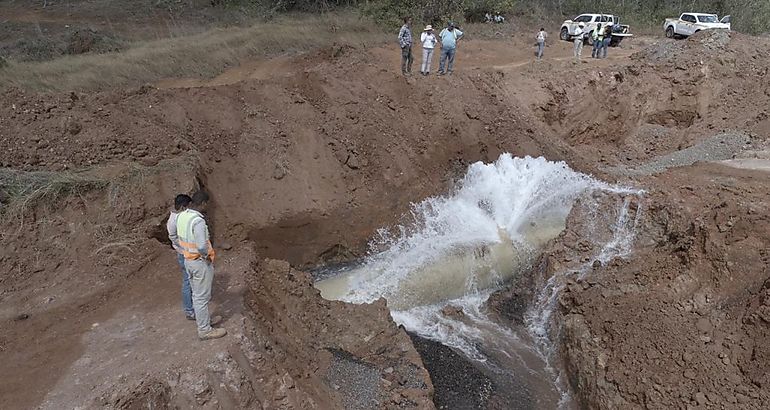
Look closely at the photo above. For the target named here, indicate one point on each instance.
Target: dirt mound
(361, 357)
(678, 323)
(671, 95)
(719, 50)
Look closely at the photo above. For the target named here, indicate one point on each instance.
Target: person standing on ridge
(578, 39)
(405, 41)
(428, 40)
(448, 37)
(199, 256)
(598, 39)
(181, 202)
(607, 39)
(541, 37)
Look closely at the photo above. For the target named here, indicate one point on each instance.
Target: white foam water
(457, 249)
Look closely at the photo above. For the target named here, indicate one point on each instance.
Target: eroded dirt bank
(305, 165)
(306, 159)
(679, 323)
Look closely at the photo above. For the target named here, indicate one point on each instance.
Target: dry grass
(201, 55)
(24, 191)
(136, 176)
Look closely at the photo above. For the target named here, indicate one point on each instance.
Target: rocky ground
(306, 156)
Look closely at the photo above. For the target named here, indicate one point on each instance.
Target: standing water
(460, 248)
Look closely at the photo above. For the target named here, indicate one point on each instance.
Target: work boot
(215, 333)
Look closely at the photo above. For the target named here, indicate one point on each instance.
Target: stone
(353, 162)
(279, 172)
(734, 378)
(601, 360)
(149, 161)
(73, 127)
(704, 325)
(454, 312)
(700, 397)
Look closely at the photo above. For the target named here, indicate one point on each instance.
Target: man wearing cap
(448, 37)
(578, 38)
(405, 41)
(428, 40)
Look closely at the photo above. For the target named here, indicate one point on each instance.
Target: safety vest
(184, 229)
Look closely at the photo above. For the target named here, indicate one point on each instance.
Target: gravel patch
(357, 382)
(717, 148)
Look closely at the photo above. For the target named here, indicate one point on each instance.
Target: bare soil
(306, 156)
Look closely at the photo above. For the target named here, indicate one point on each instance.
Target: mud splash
(438, 270)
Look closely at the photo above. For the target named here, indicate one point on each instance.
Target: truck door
(688, 24)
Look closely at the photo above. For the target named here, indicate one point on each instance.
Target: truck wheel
(564, 34)
(670, 32)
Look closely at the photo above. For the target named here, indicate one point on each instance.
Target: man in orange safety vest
(199, 255)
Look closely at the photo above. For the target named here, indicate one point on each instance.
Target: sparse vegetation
(21, 191)
(203, 55)
(355, 22)
(751, 16)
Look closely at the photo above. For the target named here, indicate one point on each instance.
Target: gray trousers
(578, 47)
(201, 278)
(605, 46)
(406, 59)
(427, 56)
(540, 49)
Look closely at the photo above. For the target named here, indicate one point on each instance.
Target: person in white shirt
(541, 37)
(428, 40)
(578, 38)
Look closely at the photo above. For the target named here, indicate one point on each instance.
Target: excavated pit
(301, 170)
(438, 271)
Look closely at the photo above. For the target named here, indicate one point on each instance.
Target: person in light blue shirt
(448, 37)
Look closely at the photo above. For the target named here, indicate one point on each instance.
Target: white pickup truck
(690, 23)
(591, 21)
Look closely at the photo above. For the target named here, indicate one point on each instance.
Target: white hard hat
(581, 24)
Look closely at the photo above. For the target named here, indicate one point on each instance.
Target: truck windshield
(708, 19)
